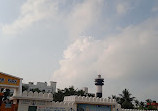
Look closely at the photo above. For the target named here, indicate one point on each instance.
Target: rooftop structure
(42, 86)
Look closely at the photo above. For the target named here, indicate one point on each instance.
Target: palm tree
(126, 99)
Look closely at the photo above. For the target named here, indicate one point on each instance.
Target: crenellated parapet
(89, 100)
(35, 96)
(44, 101)
(63, 104)
(136, 110)
(98, 101)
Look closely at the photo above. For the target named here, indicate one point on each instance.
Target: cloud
(82, 16)
(77, 19)
(130, 55)
(31, 12)
(155, 9)
(122, 8)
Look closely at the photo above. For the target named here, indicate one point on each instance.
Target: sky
(72, 41)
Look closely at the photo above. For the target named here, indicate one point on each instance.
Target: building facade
(42, 86)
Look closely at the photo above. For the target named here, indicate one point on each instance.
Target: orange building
(9, 82)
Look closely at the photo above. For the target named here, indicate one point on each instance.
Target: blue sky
(71, 41)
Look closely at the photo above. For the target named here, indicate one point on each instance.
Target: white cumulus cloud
(83, 16)
(122, 8)
(133, 52)
(32, 11)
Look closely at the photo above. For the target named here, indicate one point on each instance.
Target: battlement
(63, 104)
(90, 100)
(45, 101)
(136, 110)
(35, 96)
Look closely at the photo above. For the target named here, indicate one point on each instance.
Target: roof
(153, 104)
(10, 75)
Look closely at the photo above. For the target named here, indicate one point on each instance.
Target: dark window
(32, 108)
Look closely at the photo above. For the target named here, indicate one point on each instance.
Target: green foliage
(150, 107)
(25, 88)
(6, 94)
(141, 105)
(61, 93)
(126, 101)
(149, 101)
(136, 103)
(35, 90)
(115, 97)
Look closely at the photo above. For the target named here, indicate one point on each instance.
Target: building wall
(43, 102)
(42, 86)
(45, 106)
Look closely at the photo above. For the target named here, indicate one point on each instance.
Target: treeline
(126, 101)
(61, 93)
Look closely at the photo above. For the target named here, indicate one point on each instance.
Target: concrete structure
(85, 89)
(30, 101)
(99, 82)
(43, 102)
(43, 86)
(11, 82)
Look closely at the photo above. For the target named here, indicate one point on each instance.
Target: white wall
(43, 86)
(43, 102)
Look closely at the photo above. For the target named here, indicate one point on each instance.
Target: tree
(136, 103)
(142, 105)
(126, 99)
(35, 90)
(90, 95)
(61, 93)
(148, 104)
(149, 101)
(115, 97)
(6, 93)
(58, 96)
(25, 88)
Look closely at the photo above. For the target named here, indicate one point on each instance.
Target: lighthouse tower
(99, 82)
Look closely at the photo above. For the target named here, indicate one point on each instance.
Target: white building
(42, 86)
(85, 89)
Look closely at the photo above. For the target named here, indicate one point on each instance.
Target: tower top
(99, 76)
(99, 80)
